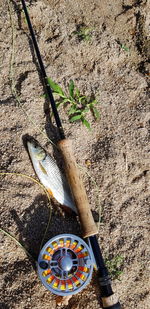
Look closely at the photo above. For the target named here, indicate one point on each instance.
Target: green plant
(77, 105)
(114, 266)
(83, 33)
(124, 47)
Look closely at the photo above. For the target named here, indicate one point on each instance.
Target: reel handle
(72, 171)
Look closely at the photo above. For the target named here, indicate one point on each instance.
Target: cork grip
(111, 302)
(87, 222)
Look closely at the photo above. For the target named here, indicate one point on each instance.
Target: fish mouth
(31, 144)
(28, 139)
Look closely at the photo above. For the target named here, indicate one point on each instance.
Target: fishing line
(17, 242)
(48, 197)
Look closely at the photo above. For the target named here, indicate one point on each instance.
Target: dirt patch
(114, 66)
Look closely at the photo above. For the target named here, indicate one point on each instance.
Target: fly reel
(65, 264)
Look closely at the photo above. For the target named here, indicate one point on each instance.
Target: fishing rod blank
(43, 73)
(89, 228)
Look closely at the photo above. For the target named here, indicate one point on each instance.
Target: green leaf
(93, 103)
(45, 95)
(74, 118)
(71, 88)
(55, 87)
(60, 95)
(66, 100)
(86, 123)
(58, 104)
(72, 110)
(77, 92)
(125, 48)
(82, 98)
(96, 112)
(86, 109)
(79, 111)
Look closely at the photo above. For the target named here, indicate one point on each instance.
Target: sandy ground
(114, 67)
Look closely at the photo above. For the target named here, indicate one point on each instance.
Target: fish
(50, 175)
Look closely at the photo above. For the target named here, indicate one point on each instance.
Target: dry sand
(114, 67)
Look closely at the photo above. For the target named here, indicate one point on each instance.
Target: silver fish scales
(50, 175)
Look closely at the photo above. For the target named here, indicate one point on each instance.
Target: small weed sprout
(114, 266)
(125, 48)
(83, 33)
(77, 105)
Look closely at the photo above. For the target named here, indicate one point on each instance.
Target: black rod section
(43, 72)
(103, 275)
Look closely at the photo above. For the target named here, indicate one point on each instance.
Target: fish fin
(65, 208)
(42, 169)
(50, 192)
(68, 210)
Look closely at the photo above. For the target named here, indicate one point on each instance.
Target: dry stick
(45, 191)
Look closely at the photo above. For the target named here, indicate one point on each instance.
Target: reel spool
(65, 264)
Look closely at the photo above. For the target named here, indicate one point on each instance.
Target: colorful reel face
(65, 264)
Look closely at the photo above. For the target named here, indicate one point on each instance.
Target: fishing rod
(68, 259)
